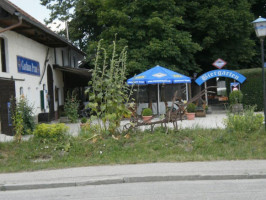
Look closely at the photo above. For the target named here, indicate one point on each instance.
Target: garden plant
(108, 93)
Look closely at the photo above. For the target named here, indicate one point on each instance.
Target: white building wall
(18, 45)
(68, 52)
(58, 82)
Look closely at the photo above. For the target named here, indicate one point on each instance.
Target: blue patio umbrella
(158, 75)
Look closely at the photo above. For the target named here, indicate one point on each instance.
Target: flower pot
(190, 116)
(237, 108)
(146, 119)
(83, 125)
(200, 113)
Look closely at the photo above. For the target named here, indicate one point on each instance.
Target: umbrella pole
(187, 91)
(206, 93)
(158, 102)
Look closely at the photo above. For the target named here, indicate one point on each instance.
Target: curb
(10, 187)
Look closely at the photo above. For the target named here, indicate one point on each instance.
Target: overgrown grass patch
(140, 147)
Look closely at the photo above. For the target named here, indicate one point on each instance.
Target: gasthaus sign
(28, 66)
(220, 73)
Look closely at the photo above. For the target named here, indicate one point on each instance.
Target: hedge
(251, 88)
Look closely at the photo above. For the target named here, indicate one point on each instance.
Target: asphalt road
(254, 189)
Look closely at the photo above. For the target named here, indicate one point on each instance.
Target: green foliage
(83, 120)
(71, 108)
(258, 8)
(252, 88)
(248, 122)
(147, 112)
(186, 36)
(54, 132)
(152, 29)
(18, 125)
(141, 147)
(223, 30)
(108, 93)
(22, 115)
(89, 130)
(191, 108)
(235, 97)
(27, 115)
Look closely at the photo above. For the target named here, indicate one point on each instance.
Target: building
(36, 63)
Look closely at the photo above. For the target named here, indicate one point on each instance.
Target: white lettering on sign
(26, 66)
(159, 75)
(210, 75)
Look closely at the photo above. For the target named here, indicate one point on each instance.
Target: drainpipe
(15, 25)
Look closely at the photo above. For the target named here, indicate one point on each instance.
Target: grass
(141, 147)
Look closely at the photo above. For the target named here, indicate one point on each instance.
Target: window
(21, 91)
(3, 55)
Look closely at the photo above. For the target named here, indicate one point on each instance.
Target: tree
(258, 8)
(223, 29)
(151, 29)
(185, 36)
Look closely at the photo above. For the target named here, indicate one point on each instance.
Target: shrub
(252, 88)
(22, 109)
(71, 108)
(247, 122)
(83, 120)
(147, 112)
(191, 108)
(235, 97)
(54, 132)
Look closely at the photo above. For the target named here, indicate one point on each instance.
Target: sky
(35, 9)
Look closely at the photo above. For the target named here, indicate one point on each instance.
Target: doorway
(7, 90)
(50, 97)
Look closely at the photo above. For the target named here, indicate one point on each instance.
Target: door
(7, 90)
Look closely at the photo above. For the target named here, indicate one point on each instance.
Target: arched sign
(220, 73)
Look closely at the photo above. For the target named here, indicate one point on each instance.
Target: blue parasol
(158, 75)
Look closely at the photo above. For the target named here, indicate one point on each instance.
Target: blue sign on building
(28, 66)
(220, 73)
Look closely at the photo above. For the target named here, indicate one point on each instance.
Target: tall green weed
(108, 93)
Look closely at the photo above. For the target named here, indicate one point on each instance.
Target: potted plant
(235, 99)
(146, 115)
(83, 121)
(191, 109)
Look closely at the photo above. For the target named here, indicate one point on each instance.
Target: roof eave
(12, 10)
